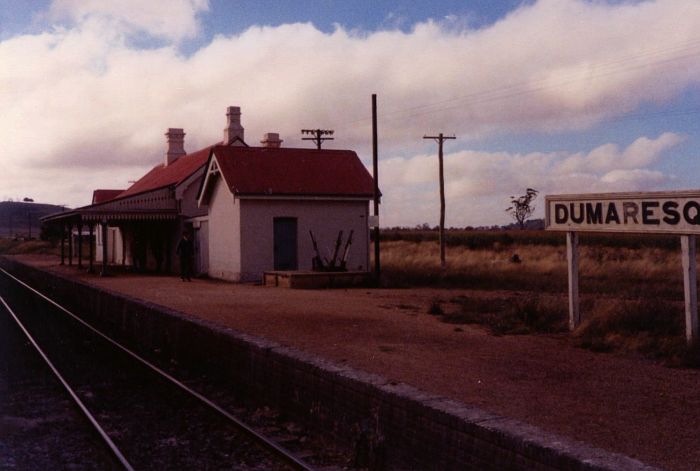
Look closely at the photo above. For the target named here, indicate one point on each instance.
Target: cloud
(478, 184)
(634, 179)
(81, 96)
(168, 19)
(642, 152)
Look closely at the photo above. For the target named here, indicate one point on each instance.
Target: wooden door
(285, 243)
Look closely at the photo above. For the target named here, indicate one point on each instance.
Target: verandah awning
(78, 215)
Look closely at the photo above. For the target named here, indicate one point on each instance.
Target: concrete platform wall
(390, 425)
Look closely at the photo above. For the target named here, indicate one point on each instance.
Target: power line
(603, 69)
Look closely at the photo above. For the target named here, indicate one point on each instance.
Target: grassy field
(631, 286)
(619, 271)
(12, 246)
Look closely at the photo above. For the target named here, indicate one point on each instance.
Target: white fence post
(690, 288)
(572, 257)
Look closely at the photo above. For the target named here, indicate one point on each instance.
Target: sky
(564, 96)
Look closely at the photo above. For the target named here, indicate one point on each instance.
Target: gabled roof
(293, 172)
(161, 176)
(101, 196)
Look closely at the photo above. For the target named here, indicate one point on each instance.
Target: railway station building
(250, 209)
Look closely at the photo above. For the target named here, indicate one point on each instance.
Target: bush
(435, 308)
(517, 315)
(653, 328)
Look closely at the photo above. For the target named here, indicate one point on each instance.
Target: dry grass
(650, 327)
(514, 314)
(630, 272)
(12, 246)
(632, 297)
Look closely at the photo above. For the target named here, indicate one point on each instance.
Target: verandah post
(91, 226)
(63, 244)
(80, 244)
(70, 244)
(104, 247)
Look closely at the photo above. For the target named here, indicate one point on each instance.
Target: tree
(521, 207)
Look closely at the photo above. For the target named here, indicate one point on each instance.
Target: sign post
(690, 287)
(572, 259)
(676, 212)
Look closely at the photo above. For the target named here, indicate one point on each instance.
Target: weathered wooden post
(690, 288)
(375, 197)
(80, 244)
(91, 227)
(70, 244)
(572, 259)
(440, 138)
(63, 244)
(104, 247)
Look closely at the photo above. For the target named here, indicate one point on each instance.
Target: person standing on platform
(185, 249)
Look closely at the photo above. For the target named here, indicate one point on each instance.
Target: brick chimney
(176, 145)
(233, 132)
(271, 140)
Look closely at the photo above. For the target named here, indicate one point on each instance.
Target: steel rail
(113, 448)
(282, 453)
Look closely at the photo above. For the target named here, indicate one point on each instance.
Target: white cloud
(478, 184)
(642, 152)
(80, 97)
(634, 179)
(167, 19)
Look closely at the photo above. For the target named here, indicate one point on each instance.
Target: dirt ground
(622, 404)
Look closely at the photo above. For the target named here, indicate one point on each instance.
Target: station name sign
(656, 212)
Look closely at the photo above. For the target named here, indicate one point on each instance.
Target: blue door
(285, 241)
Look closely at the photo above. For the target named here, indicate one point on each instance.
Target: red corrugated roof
(288, 171)
(174, 173)
(101, 196)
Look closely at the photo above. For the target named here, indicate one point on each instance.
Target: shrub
(651, 327)
(435, 308)
(517, 315)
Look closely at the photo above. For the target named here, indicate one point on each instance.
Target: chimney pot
(176, 145)
(271, 140)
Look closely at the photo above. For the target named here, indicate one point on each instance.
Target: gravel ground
(39, 425)
(622, 404)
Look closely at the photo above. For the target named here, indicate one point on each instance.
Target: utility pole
(440, 138)
(375, 174)
(317, 133)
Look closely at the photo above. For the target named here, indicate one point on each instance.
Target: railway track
(35, 411)
(147, 418)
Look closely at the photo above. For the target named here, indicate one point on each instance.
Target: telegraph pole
(318, 136)
(375, 174)
(440, 139)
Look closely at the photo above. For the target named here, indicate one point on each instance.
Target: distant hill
(21, 219)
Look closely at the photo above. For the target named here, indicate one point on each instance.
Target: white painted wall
(115, 245)
(324, 218)
(224, 234)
